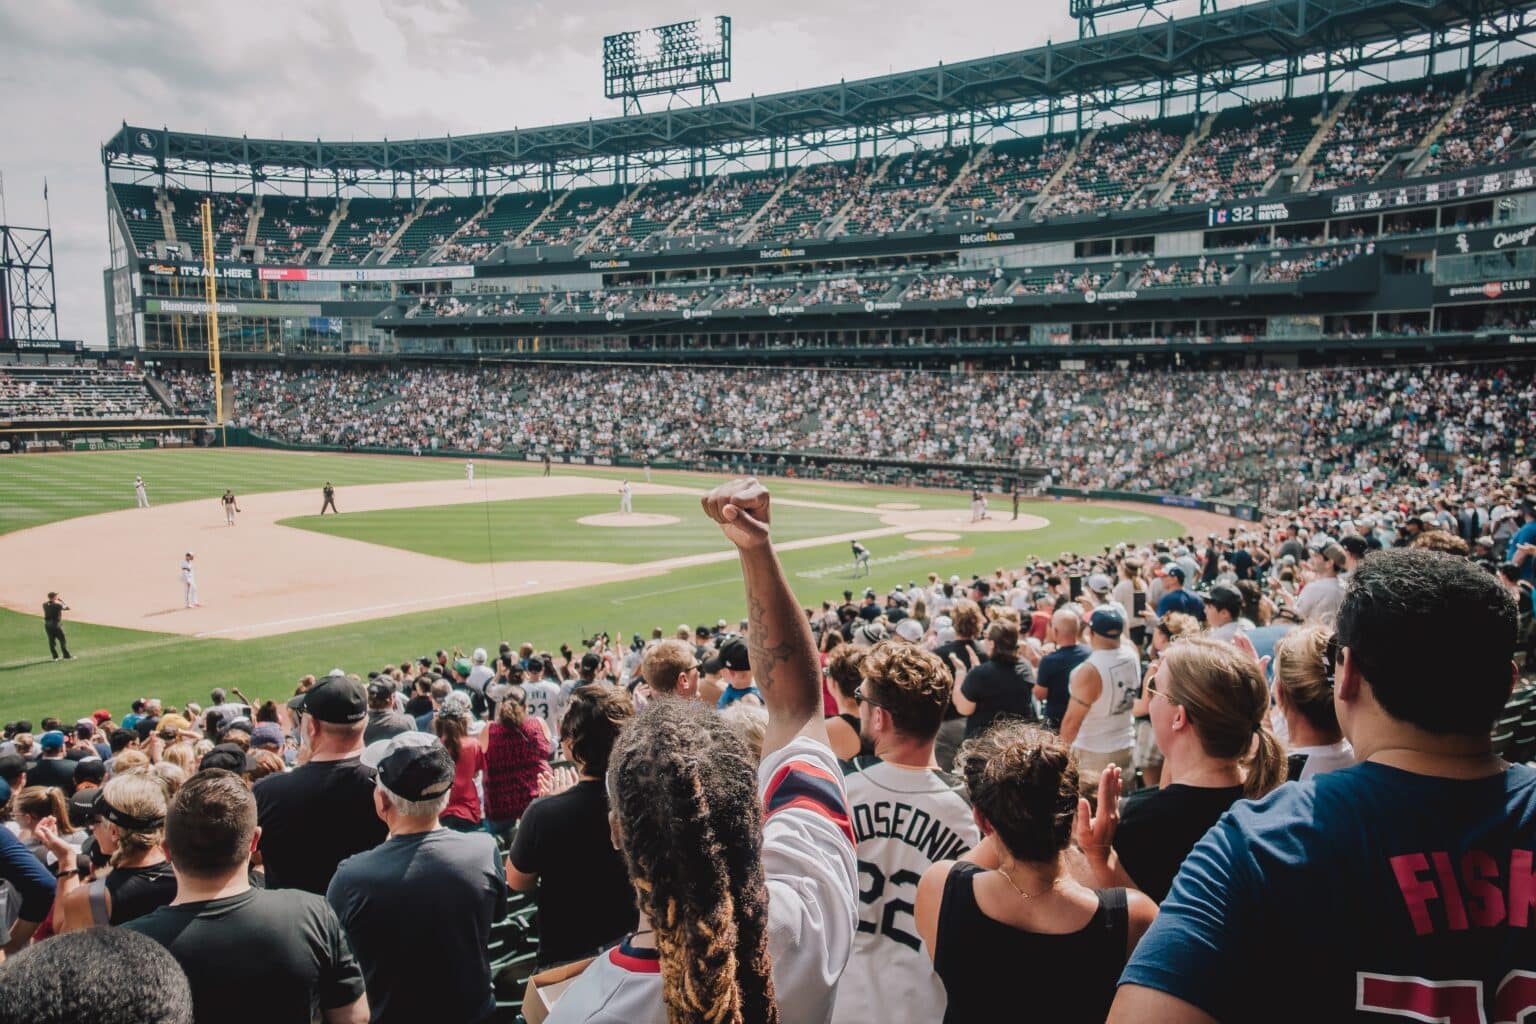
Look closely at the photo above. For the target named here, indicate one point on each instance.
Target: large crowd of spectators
(39, 395)
(1235, 434)
(1138, 767)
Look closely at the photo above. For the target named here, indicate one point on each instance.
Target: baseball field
(419, 559)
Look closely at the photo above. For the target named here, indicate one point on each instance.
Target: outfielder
(138, 492)
(469, 473)
(626, 499)
(230, 507)
(330, 499)
(860, 559)
(189, 582)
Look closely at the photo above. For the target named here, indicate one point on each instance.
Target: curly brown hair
(1024, 782)
(909, 683)
(967, 619)
(843, 668)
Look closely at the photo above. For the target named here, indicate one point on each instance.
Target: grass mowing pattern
(116, 665)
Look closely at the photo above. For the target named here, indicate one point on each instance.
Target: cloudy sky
(72, 70)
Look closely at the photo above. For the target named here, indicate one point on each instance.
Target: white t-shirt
(812, 886)
(478, 677)
(1320, 599)
(1325, 759)
(905, 822)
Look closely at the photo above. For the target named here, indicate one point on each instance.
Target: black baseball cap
(229, 756)
(1107, 622)
(732, 655)
(11, 766)
(334, 699)
(590, 662)
(1226, 597)
(380, 689)
(412, 765)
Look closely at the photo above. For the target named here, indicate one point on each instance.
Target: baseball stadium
(1097, 386)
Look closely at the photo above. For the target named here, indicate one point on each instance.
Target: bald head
(1067, 625)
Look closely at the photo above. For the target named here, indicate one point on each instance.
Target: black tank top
(137, 891)
(978, 959)
(865, 747)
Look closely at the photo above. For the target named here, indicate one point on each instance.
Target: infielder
(469, 473)
(860, 559)
(330, 499)
(189, 582)
(230, 507)
(626, 499)
(53, 624)
(138, 492)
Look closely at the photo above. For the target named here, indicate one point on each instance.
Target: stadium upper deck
(1123, 176)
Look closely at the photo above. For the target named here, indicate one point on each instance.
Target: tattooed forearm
(780, 645)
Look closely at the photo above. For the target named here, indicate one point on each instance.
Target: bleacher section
(913, 182)
(645, 211)
(368, 225)
(1112, 169)
(1487, 130)
(728, 203)
(581, 212)
(1381, 122)
(510, 214)
(1246, 146)
(291, 224)
(1010, 172)
(144, 223)
(441, 218)
(48, 394)
(817, 194)
(231, 213)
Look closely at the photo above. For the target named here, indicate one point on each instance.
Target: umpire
(53, 622)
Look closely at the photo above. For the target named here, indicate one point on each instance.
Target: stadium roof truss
(1071, 86)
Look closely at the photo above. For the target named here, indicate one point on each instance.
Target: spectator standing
(1053, 677)
(384, 722)
(845, 733)
(1304, 674)
(734, 665)
(765, 920)
(1319, 600)
(1098, 724)
(252, 955)
(52, 767)
(1177, 599)
(516, 752)
(462, 813)
(29, 891)
(1209, 702)
(1396, 861)
(128, 826)
(317, 815)
(1000, 687)
(564, 846)
(901, 701)
(423, 880)
(979, 925)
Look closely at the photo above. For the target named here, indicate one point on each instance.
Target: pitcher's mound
(628, 519)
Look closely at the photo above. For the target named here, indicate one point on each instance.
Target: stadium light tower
(1088, 11)
(667, 60)
(29, 314)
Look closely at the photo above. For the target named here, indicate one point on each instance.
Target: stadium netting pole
(210, 281)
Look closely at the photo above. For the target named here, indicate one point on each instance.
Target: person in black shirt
(1055, 671)
(564, 845)
(53, 625)
(969, 621)
(321, 813)
(251, 954)
(1000, 687)
(1209, 701)
(330, 499)
(52, 767)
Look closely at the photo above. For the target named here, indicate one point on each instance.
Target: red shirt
(513, 758)
(463, 800)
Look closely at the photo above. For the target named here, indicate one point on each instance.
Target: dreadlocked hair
(684, 787)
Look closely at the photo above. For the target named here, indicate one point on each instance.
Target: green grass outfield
(113, 666)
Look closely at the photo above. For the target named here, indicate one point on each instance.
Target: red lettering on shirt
(1522, 888)
(1485, 900)
(1455, 911)
(1416, 892)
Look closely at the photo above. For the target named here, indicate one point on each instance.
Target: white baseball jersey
(905, 821)
(812, 881)
(547, 702)
(186, 572)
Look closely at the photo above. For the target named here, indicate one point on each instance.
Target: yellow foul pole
(211, 290)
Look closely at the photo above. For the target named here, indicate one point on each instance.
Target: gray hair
(417, 808)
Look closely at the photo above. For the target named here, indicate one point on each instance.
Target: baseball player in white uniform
(139, 493)
(469, 473)
(626, 498)
(860, 559)
(189, 582)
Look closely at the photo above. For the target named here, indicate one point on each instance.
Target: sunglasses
(861, 698)
(1153, 691)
